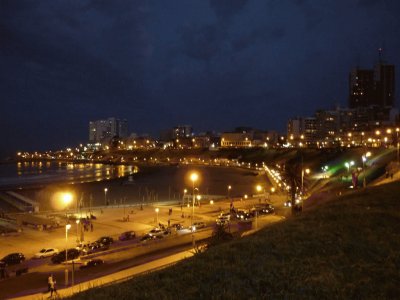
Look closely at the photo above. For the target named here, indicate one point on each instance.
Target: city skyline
(212, 64)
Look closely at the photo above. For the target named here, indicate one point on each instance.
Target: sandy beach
(153, 184)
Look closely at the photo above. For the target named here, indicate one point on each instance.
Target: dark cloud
(202, 42)
(262, 35)
(162, 63)
(225, 9)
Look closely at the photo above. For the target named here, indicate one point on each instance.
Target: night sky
(213, 64)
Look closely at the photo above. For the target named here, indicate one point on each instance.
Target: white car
(156, 232)
(46, 252)
(198, 225)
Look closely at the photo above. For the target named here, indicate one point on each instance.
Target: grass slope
(347, 248)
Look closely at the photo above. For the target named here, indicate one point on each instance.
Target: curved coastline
(34, 174)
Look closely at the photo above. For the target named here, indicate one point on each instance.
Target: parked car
(268, 209)
(222, 221)
(46, 252)
(158, 232)
(96, 247)
(63, 256)
(147, 237)
(242, 215)
(13, 259)
(92, 263)
(198, 225)
(177, 226)
(128, 235)
(83, 246)
(105, 240)
(226, 215)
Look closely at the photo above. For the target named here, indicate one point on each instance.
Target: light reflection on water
(37, 173)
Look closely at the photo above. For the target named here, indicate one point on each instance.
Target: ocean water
(24, 174)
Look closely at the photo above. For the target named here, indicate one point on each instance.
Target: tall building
(384, 85)
(361, 85)
(375, 87)
(183, 131)
(104, 130)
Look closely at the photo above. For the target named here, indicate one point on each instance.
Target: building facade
(104, 130)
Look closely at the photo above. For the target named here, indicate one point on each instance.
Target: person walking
(53, 288)
(49, 282)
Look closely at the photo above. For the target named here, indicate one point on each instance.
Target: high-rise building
(183, 131)
(384, 85)
(372, 87)
(105, 130)
(361, 84)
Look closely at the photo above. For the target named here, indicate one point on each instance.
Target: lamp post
(364, 159)
(67, 227)
(397, 140)
(157, 210)
(307, 171)
(105, 196)
(77, 234)
(184, 194)
(229, 191)
(193, 178)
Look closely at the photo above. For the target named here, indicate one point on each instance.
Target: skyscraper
(384, 84)
(372, 87)
(105, 130)
(361, 84)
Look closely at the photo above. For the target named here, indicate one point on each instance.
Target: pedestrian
(127, 217)
(91, 226)
(391, 175)
(53, 288)
(49, 282)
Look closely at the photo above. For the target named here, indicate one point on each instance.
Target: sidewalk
(115, 277)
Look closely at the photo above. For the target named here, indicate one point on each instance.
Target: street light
(67, 199)
(193, 177)
(67, 227)
(397, 140)
(105, 196)
(157, 210)
(229, 191)
(307, 171)
(77, 234)
(364, 159)
(184, 194)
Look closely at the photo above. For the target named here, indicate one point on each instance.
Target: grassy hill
(346, 248)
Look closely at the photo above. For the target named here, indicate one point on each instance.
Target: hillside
(345, 248)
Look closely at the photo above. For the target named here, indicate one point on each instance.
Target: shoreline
(151, 184)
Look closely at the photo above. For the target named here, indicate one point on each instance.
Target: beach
(151, 184)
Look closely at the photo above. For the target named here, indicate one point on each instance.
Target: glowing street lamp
(157, 210)
(67, 227)
(364, 159)
(105, 196)
(67, 199)
(193, 177)
(397, 140)
(77, 234)
(307, 171)
(184, 194)
(229, 191)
